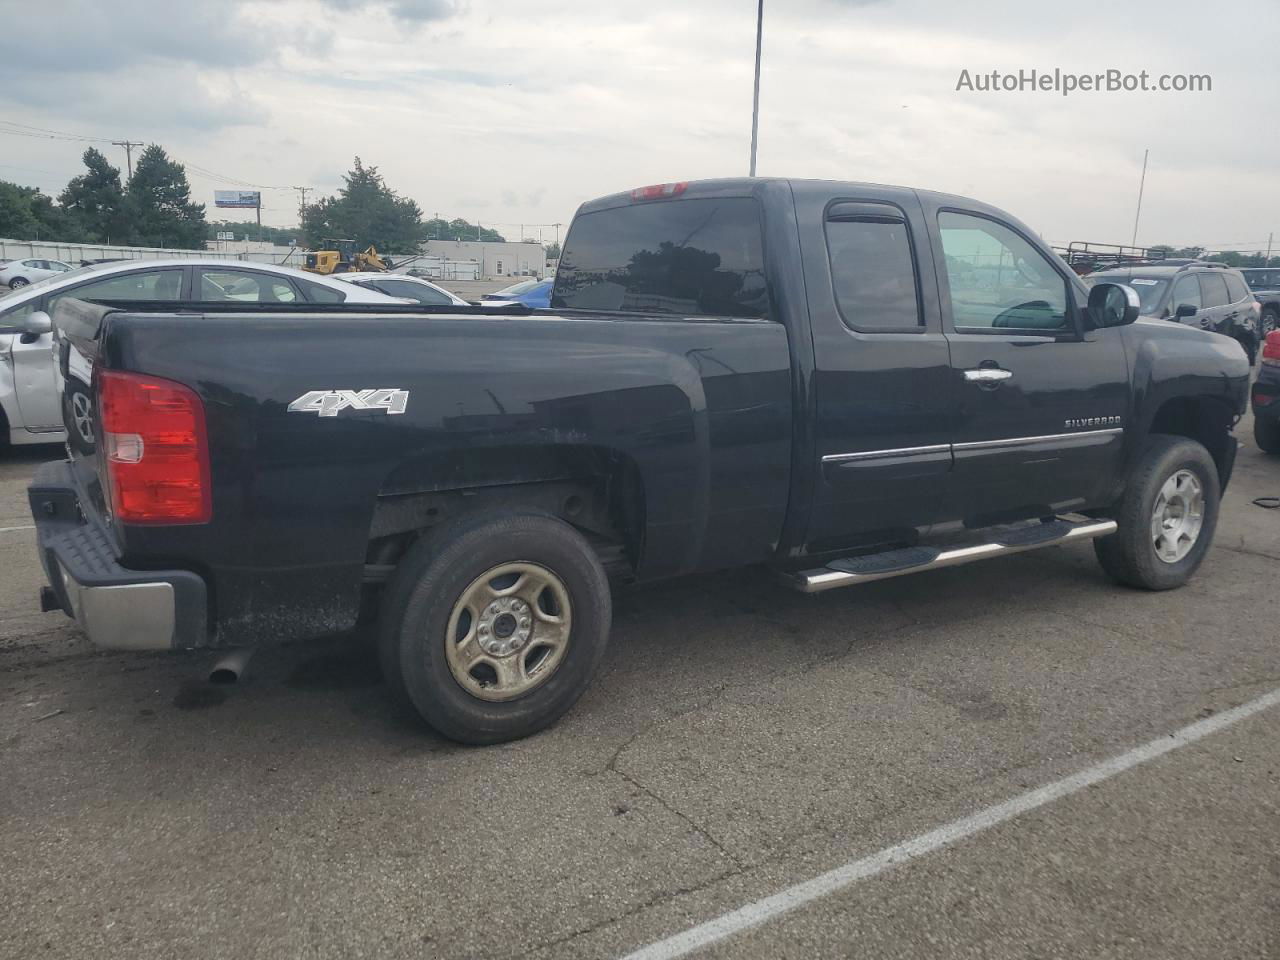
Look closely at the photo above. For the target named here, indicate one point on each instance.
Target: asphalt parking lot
(740, 740)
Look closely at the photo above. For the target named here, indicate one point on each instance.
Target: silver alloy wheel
(82, 416)
(1177, 516)
(17, 282)
(1268, 322)
(509, 631)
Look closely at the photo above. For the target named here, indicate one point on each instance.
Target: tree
(367, 211)
(158, 204)
(96, 201)
(459, 229)
(27, 214)
(553, 250)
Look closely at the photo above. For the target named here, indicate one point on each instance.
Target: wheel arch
(1207, 420)
(596, 489)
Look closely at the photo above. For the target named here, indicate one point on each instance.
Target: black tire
(1266, 434)
(17, 282)
(1129, 555)
(431, 579)
(77, 416)
(1270, 321)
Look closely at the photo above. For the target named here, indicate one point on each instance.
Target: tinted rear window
(683, 257)
(1236, 288)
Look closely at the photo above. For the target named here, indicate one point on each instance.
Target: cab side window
(998, 279)
(872, 267)
(1213, 290)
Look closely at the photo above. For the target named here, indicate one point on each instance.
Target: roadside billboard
(237, 198)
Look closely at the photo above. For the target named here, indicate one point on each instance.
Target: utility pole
(755, 100)
(1141, 184)
(557, 226)
(302, 205)
(1267, 262)
(128, 152)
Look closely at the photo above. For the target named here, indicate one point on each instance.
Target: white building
(496, 260)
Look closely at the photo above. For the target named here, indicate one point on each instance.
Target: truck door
(1040, 402)
(881, 370)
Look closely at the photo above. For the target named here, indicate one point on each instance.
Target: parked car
(1265, 284)
(1199, 293)
(824, 378)
(405, 287)
(532, 293)
(30, 406)
(1266, 397)
(19, 273)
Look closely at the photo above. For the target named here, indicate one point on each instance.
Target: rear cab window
(873, 271)
(1237, 288)
(1213, 290)
(685, 257)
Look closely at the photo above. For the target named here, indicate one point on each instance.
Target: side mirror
(35, 325)
(1186, 310)
(1113, 304)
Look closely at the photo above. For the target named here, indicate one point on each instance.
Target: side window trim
(851, 210)
(1072, 330)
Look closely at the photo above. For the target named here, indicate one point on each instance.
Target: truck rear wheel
(493, 627)
(1166, 517)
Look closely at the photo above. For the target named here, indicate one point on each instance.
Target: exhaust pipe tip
(231, 668)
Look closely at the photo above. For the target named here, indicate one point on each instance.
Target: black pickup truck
(843, 381)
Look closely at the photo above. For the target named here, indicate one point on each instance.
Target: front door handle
(987, 375)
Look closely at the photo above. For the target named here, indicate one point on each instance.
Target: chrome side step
(846, 572)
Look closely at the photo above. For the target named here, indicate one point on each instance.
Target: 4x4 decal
(327, 403)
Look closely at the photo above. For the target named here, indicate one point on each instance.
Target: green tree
(28, 214)
(553, 250)
(458, 229)
(367, 211)
(95, 200)
(158, 204)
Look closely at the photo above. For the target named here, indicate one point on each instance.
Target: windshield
(1262, 279)
(524, 286)
(1150, 290)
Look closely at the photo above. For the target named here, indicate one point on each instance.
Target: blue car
(532, 293)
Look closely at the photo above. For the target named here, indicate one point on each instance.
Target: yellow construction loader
(340, 256)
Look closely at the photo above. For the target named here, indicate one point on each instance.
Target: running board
(894, 563)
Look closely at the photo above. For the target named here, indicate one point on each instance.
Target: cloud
(415, 11)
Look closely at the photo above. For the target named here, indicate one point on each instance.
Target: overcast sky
(510, 112)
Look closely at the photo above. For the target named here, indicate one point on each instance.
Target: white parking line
(784, 901)
(29, 526)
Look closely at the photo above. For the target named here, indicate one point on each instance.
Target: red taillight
(1271, 348)
(659, 190)
(1262, 399)
(154, 446)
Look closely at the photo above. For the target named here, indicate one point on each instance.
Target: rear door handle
(987, 375)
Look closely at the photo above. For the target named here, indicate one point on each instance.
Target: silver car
(16, 274)
(30, 402)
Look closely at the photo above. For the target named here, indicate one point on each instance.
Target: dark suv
(1265, 283)
(1199, 293)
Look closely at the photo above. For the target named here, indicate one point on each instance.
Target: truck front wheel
(493, 627)
(1166, 517)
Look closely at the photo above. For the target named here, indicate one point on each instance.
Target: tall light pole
(1141, 184)
(755, 99)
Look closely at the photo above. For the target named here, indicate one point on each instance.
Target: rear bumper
(1266, 387)
(119, 608)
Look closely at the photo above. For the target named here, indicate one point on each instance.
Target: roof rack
(1084, 257)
